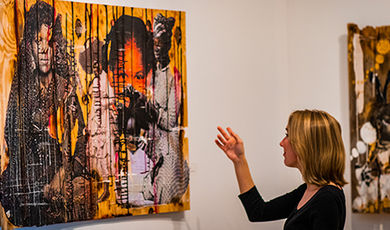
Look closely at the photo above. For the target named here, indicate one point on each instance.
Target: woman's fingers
(224, 134)
(222, 140)
(219, 144)
(233, 134)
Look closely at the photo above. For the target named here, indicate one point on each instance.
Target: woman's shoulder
(299, 191)
(332, 190)
(326, 209)
(330, 195)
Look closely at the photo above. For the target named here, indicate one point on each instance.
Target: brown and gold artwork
(93, 112)
(369, 78)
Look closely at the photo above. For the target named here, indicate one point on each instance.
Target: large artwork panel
(93, 112)
(369, 78)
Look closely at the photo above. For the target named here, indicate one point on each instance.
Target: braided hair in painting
(129, 33)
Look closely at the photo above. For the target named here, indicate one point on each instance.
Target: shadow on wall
(344, 119)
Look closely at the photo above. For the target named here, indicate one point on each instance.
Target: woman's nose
(281, 142)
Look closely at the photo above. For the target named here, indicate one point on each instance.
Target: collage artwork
(93, 112)
(369, 78)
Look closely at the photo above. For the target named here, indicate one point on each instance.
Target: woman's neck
(312, 187)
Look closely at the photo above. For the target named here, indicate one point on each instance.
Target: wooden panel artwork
(93, 112)
(369, 78)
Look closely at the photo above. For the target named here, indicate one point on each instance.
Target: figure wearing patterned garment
(169, 177)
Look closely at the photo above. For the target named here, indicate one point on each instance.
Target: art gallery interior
(250, 64)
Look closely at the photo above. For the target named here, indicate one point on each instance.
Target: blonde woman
(314, 146)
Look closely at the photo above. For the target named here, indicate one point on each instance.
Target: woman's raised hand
(231, 144)
(233, 147)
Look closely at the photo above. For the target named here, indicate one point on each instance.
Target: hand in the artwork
(73, 108)
(72, 104)
(52, 191)
(142, 143)
(231, 144)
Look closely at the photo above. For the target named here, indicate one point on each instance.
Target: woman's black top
(325, 210)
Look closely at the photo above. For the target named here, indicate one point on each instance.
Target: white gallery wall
(250, 63)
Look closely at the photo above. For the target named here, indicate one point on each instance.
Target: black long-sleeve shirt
(325, 210)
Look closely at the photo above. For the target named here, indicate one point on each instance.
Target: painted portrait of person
(128, 61)
(44, 130)
(147, 112)
(169, 178)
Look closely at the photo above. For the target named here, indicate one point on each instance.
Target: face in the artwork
(290, 157)
(133, 65)
(161, 49)
(134, 69)
(42, 50)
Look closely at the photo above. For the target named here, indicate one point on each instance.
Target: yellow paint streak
(60, 124)
(74, 134)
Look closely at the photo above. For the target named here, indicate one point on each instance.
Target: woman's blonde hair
(315, 136)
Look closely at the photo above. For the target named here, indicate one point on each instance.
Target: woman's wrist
(240, 161)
